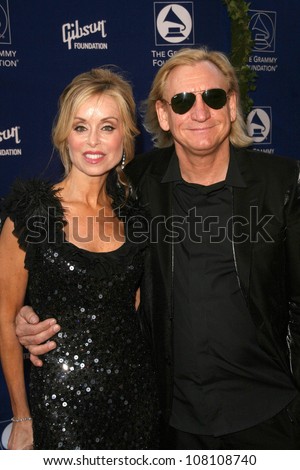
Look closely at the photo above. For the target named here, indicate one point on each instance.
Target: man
(221, 291)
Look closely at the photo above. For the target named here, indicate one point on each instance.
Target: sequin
(97, 389)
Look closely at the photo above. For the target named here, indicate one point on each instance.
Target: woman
(73, 248)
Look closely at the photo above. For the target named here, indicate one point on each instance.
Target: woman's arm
(137, 298)
(13, 282)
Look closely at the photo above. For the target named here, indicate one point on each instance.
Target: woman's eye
(104, 128)
(108, 127)
(79, 128)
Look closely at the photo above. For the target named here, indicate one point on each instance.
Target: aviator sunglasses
(215, 98)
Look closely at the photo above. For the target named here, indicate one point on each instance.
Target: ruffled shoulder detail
(104, 265)
(136, 219)
(137, 227)
(126, 208)
(35, 209)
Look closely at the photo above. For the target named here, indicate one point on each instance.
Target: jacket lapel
(245, 206)
(161, 212)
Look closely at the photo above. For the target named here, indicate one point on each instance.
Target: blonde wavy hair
(97, 81)
(188, 56)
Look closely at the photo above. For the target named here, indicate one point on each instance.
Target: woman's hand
(21, 436)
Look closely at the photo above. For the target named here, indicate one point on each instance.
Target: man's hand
(33, 333)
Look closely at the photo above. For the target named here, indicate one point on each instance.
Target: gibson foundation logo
(6, 136)
(71, 32)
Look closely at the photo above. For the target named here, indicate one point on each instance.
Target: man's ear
(232, 106)
(162, 115)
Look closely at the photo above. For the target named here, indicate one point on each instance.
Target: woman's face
(96, 140)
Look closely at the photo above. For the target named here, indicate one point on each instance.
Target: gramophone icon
(174, 31)
(257, 125)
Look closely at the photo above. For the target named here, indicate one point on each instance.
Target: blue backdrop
(44, 44)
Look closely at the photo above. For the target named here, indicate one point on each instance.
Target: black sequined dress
(97, 389)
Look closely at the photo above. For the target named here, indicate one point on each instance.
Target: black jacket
(268, 269)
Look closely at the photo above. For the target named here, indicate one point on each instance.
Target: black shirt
(223, 380)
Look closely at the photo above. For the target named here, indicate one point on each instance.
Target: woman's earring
(123, 160)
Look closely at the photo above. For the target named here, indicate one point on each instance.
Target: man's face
(202, 130)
